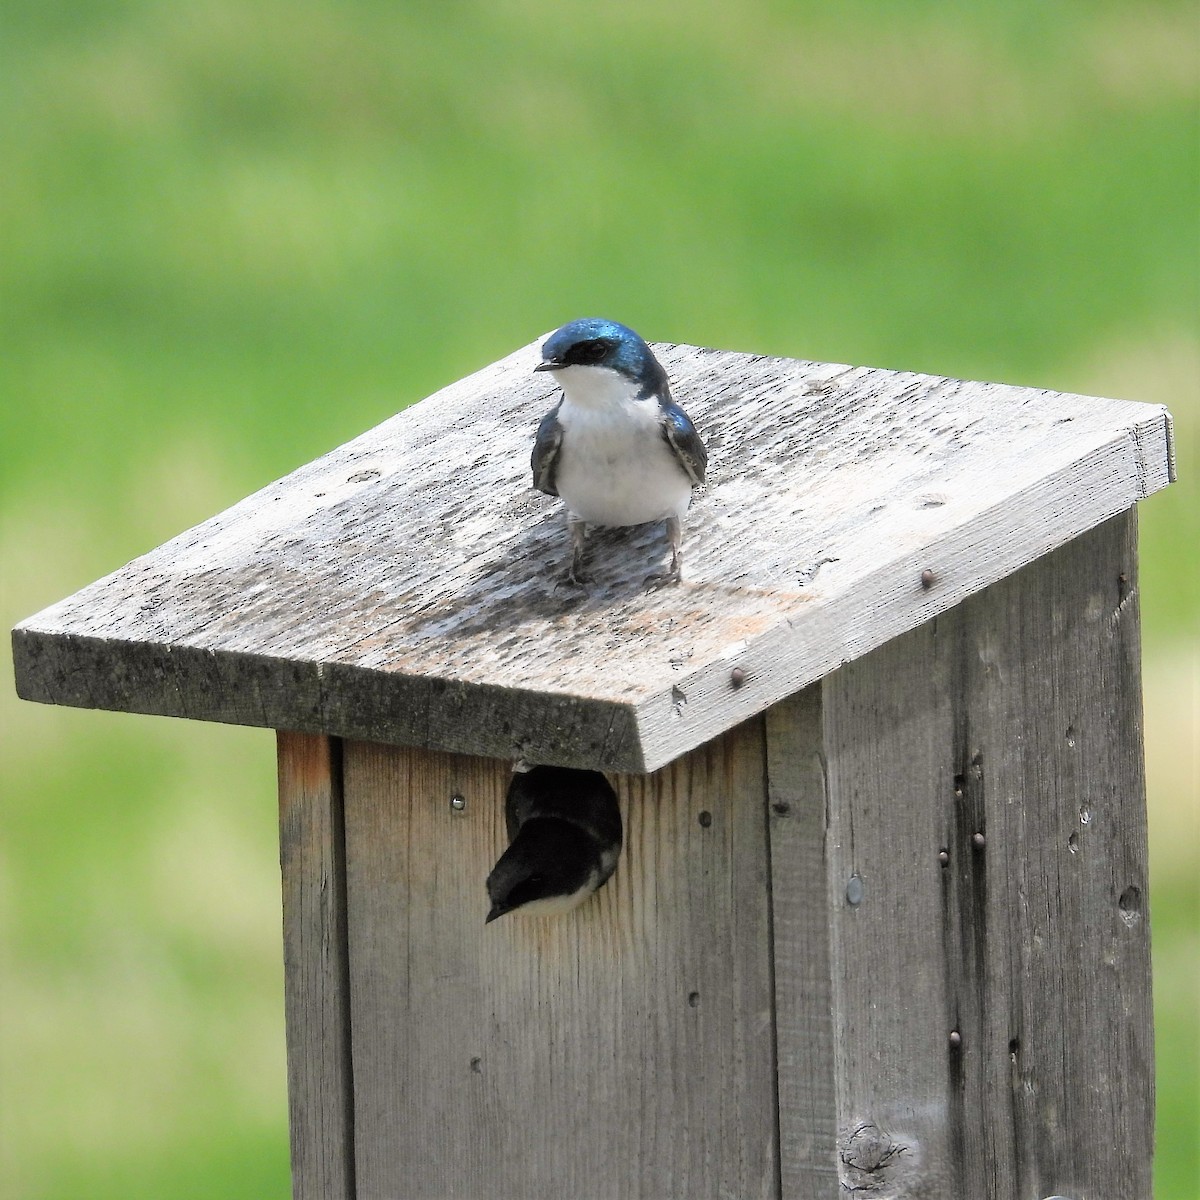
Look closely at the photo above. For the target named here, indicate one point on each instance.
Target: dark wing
(684, 441)
(545, 452)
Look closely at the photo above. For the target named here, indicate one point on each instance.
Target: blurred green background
(234, 233)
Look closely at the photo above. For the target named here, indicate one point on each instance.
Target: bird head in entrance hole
(564, 829)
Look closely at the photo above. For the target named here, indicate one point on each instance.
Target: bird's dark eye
(587, 353)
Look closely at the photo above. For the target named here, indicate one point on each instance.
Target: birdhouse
(880, 922)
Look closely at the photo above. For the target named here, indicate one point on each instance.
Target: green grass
(233, 235)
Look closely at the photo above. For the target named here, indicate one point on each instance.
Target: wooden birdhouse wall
(890, 934)
(625, 1048)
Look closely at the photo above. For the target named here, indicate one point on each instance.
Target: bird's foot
(573, 578)
(674, 573)
(661, 579)
(575, 575)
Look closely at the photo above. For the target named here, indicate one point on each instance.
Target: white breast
(553, 906)
(614, 465)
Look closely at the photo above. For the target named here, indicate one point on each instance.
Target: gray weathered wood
(993, 1013)
(804, 1016)
(887, 727)
(623, 1050)
(402, 587)
(316, 973)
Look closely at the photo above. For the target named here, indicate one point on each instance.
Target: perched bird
(564, 831)
(616, 447)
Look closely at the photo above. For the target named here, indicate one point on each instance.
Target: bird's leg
(578, 531)
(673, 572)
(675, 537)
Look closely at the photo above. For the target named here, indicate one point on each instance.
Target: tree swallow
(615, 447)
(564, 831)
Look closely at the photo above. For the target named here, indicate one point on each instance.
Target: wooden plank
(800, 937)
(622, 1050)
(1053, 1088)
(887, 726)
(316, 973)
(994, 1016)
(402, 587)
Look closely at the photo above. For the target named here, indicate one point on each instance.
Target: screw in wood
(705, 819)
(458, 802)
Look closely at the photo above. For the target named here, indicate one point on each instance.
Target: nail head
(854, 891)
(458, 802)
(978, 841)
(737, 676)
(927, 578)
(955, 1038)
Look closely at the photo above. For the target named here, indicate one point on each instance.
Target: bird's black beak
(551, 364)
(496, 911)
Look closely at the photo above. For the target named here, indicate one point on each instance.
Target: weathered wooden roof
(402, 588)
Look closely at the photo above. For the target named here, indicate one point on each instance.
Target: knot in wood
(871, 1162)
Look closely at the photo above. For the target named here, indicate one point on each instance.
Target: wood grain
(887, 726)
(994, 1013)
(316, 972)
(805, 1022)
(402, 587)
(623, 1050)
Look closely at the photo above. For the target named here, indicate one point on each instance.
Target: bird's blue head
(596, 342)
